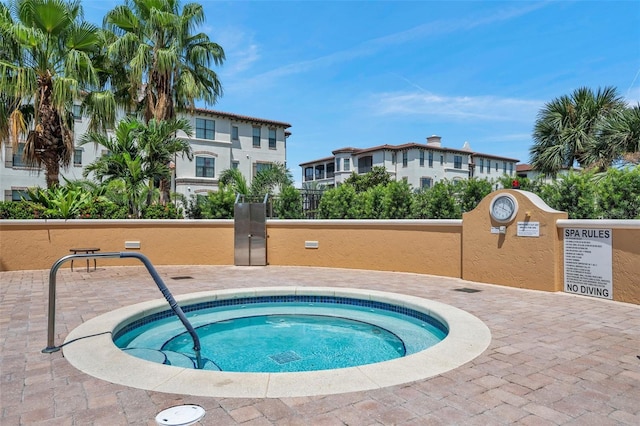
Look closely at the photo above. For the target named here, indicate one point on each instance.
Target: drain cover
(180, 415)
(467, 290)
(285, 357)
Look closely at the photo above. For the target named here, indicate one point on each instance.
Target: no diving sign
(587, 262)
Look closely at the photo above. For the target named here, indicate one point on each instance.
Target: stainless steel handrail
(154, 274)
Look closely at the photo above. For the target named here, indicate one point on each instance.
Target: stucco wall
(626, 265)
(508, 259)
(37, 244)
(421, 246)
(456, 248)
(625, 255)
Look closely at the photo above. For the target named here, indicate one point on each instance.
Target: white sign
(495, 229)
(528, 229)
(587, 262)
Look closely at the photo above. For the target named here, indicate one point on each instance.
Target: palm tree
(276, 176)
(46, 64)
(621, 133)
(122, 162)
(168, 66)
(264, 182)
(567, 126)
(159, 143)
(137, 156)
(235, 180)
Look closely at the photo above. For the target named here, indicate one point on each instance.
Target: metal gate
(250, 234)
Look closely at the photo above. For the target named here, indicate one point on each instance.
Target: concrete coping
(90, 348)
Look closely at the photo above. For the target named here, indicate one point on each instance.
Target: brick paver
(554, 358)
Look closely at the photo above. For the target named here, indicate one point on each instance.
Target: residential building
(421, 165)
(528, 171)
(220, 141)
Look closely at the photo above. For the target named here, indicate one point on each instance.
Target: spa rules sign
(587, 262)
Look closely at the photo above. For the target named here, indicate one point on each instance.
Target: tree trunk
(51, 145)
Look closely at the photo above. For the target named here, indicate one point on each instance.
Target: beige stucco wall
(421, 246)
(37, 244)
(626, 265)
(455, 248)
(625, 255)
(508, 259)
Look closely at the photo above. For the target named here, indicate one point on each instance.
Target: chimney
(434, 140)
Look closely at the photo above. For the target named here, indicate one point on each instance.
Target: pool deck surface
(553, 359)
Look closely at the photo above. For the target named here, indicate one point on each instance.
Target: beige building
(421, 165)
(220, 141)
(529, 172)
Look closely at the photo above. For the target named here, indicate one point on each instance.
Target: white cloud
(506, 138)
(455, 107)
(373, 46)
(632, 96)
(240, 49)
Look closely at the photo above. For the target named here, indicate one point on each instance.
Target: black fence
(310, 202)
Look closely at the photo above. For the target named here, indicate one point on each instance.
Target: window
(235, 164)
(330, 170)
(19, 195)
(364, 164)
(441, 160)
(337, 164)
(234, 133)
(320, 171)
(256, 137)
(205, 167)
(504, 167)
(405, 158)
(426, 182)
(272, 138)
(457, 161)
(308, 173)
(205, 129)
(77, 112)
(482, 165)
(258, 167)
(489, 166)
(347, 164)
(18, 156)
(393, 158)
(431, 159)
(496, 166)
(77, 157)
(421, 158)
(510, 168)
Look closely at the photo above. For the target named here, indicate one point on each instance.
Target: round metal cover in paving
(180, 415)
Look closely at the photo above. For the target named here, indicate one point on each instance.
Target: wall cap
(119, 222)
(366, 222)
(599, 223)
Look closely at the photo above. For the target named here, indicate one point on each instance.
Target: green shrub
(619, 194)
(471, 191)
(397, 200)
(158, 211)
(574, 193)
(21, 210)
(438, 202)
(289, 204)
(214, 205)
(337, 203)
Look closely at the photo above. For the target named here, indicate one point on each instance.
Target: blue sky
(366, 73)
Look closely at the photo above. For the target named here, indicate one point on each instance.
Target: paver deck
(554, 358)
